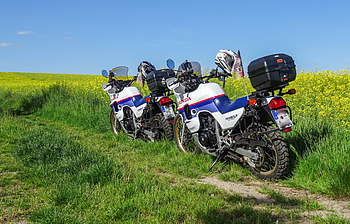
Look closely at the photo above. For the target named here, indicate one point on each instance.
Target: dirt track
(250, 189)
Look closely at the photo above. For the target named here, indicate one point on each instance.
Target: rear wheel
(274, 157)
(115, 125)
(183, 138)
(163, 127)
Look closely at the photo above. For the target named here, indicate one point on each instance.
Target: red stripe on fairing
(123, 99)
(202, 101)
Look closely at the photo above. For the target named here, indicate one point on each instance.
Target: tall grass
(73, 106)
(322, 158)
(52, 155)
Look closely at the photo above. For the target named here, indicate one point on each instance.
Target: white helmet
(225, 59)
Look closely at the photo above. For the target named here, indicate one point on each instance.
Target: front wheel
(274, 157)
(115, 124)
(183, 137)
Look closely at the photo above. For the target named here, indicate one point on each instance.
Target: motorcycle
(147, 118)
(246, 130)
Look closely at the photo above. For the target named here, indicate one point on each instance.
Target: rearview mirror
(105, 73)
(170, 63)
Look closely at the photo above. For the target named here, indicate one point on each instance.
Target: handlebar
(191, 81)
(122, 83)
(189, 76)
(217, 73)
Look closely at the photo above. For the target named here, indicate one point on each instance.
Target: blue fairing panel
(138, 100)
(224, 104)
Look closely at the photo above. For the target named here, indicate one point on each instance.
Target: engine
(206, 133)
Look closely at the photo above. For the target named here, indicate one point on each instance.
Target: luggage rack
(271, 90)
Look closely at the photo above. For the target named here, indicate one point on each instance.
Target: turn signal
(252, 101)
(148, 99)
(292, 91)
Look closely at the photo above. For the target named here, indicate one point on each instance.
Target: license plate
(168, 111)
(282, 119)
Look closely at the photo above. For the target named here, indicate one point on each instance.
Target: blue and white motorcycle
(246, 130)
(147, 118)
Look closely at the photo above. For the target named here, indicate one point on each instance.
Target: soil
(250, 187)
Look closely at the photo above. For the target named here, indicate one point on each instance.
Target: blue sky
(84, 37)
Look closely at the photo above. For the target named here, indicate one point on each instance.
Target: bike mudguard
(224, 104)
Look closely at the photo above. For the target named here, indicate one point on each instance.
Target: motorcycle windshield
(195, 66)
(120, 71)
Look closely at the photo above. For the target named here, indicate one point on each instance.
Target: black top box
(271, 72)
(156, 80)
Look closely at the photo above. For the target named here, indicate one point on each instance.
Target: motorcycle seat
(224, 104)
(138, 100)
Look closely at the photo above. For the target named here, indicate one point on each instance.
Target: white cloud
(25, 32)
(6, 44)
(68, 38)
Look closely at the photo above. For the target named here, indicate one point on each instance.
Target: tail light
(287, 130)
(277, 103)
(164, 100)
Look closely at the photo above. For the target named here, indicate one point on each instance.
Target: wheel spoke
(269, 166)
(270, 157)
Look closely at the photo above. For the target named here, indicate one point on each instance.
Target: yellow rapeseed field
(322, 95)
(29, 82)
(325, 95)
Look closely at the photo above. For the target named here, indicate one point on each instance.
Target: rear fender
(266, 115)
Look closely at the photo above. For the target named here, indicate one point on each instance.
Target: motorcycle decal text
(205, 101)
(231, 117)
(184, 100)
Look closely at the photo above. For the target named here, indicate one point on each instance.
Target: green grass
(330, 219)
(320, 158)
(83, 110)
(305, 204)
(22, 103)
(62, 164)
(69, 182)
